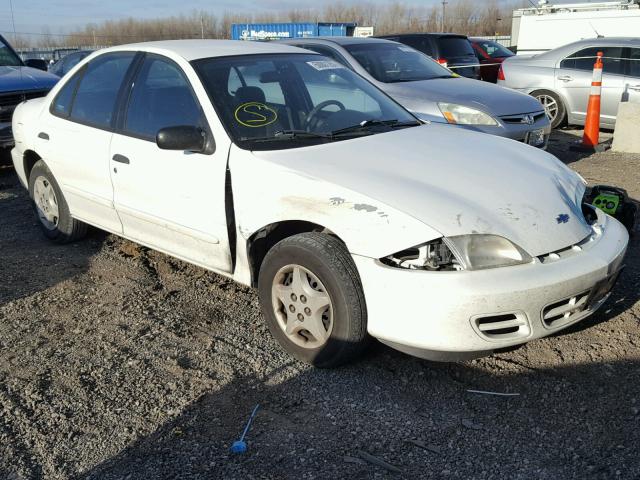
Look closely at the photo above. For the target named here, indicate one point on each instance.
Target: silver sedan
(432, 92)
(561, 78)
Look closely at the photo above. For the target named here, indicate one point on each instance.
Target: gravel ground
(117, 362)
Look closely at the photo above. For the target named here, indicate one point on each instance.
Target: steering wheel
(321, 106)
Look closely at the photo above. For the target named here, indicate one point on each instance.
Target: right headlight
(479, 251)
(462, 252)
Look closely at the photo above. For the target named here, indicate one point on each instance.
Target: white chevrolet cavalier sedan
(286, 171)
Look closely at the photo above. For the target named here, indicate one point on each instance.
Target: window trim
(625, 59)
(82, 72)
(123, 102)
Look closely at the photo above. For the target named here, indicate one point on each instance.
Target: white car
(285, 171)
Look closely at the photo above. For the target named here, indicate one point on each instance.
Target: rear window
(454, 47)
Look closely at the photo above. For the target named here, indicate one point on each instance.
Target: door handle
(120, 158)
(43, 136)
(565, 78)
(634, 87)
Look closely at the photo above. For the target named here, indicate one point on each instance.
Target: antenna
(13, 22)
(594, 29)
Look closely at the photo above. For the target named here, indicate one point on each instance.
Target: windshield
(7, 57)
(269, 102)
(394, 62)
(493, 49)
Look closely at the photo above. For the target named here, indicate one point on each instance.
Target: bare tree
(397, 16)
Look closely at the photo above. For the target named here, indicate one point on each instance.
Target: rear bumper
(456, 315)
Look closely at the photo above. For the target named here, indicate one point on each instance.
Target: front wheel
(51, 207)
(312, 299)
(553, 107)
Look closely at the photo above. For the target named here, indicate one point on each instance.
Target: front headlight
(463, 252)
(479, 251)
(461, 115)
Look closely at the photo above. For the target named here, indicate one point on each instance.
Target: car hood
(25, 78)
(486, 96)
(456, 182)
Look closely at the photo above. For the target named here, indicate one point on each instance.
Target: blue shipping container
(274, 31)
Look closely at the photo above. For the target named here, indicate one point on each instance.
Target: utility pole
(444, 4)
(202, 26)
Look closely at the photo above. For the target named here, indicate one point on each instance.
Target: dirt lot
(117, 362)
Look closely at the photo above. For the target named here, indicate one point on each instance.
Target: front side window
(161, 97)
(275, 101)
(392, 63)
(7, 57)
(96, 96)
(584, 59)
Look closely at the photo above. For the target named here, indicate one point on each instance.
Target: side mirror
(37, 63)
(183, 137)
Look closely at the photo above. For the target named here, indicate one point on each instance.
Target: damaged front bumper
(455, 315)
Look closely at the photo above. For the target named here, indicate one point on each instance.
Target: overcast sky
(62, 15)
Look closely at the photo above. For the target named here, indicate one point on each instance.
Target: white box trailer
(538, 29)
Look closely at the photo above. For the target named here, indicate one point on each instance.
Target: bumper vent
(560, 313)
(502, 326)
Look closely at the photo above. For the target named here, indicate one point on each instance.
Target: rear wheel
(51, 208)
(312, 299)
(553, 107)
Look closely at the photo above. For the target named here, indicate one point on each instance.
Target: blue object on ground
(240, 446)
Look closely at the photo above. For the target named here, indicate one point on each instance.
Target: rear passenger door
(574, 75)
(75, 136)
(173, 201)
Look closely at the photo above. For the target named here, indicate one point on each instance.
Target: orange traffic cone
(591, 136)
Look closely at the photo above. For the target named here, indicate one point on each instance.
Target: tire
(544, 96)
(323, 258)
(60, 226)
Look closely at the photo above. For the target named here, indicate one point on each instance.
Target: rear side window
(584, 60)
(96, 96)
(62, 103)
(634, 62)
(422, 44)
(161, 97)
(327, 52)
(451, 47)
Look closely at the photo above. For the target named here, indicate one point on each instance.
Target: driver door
(173, 201)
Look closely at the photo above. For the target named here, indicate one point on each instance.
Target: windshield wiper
(289, 135)
(366, 125)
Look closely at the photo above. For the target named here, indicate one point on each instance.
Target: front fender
(266, 193)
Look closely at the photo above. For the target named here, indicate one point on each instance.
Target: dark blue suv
(19, 81)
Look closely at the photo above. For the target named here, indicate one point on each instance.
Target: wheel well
(259, 244)
(30, 159)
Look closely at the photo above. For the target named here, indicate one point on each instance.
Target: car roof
(196, 49)
(423, 34)
(337, 40)
(597, 42)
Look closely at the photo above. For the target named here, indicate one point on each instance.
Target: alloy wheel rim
(302, 306)
(550, 106)
(46, 203)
